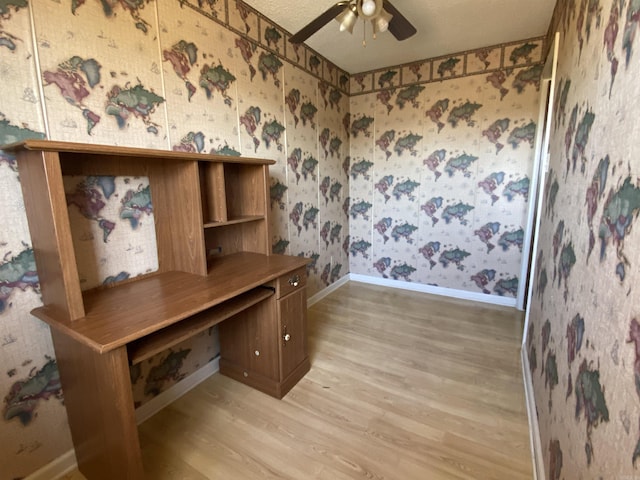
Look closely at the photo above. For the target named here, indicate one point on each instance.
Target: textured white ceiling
(444, 27)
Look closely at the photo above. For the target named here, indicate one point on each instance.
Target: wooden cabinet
(247, 353)
(292, 317)
(214, 267)
(291, 308)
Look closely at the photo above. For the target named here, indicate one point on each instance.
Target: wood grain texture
(253, 349)
(177, 208)
(404, 386)
(242, 234)
(46, 207)
(112, 150)
(292, 315)
(289, 283)
(212, 177)
(168, 337)
(124, 313)
(99, 402)
(249, 341)
(94, 331)
(235, 221)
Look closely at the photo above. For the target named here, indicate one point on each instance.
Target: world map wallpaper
(417, 174)
(441, 160)
(582, 342)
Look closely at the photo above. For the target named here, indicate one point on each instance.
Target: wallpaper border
(444, 58)
(325, 74)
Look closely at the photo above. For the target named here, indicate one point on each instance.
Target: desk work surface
(124, 313)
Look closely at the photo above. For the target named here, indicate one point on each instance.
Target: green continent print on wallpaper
(582, 342)
(366, 183)
(442, 173)
(112, 228)
(158, 74)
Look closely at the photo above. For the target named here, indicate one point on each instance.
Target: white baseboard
(534, 429)
(56, 469)
(165, 398)
(447, 292)
(323, 293)
(67, 461)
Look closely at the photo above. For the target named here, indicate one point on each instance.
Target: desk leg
(99, 403)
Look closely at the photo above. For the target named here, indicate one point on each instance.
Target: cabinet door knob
(294, 281)
(285, 336)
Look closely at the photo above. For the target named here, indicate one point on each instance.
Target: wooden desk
(201, 203)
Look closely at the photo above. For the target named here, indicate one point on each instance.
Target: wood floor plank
(403, 385)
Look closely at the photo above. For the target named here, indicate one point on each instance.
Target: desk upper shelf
(201, 203)
(141, 153)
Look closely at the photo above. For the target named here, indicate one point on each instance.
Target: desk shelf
(168, 337)
(234, 221)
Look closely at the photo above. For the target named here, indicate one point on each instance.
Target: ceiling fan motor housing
(365, 12)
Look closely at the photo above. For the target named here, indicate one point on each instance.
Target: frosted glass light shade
(347, 20)
(381, 22)
(368, 7)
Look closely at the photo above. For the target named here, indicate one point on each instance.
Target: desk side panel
(46, 207)
(265, 194)
(175, 189)
(99, 402)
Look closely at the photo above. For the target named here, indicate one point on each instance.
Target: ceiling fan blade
(319, 22)
(399, 26)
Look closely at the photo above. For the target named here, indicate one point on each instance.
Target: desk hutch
(202, 204)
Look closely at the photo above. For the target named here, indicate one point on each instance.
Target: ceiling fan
(381, 13)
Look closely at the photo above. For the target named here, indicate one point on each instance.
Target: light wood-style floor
(402, 386)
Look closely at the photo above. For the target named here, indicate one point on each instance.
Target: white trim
(551, 63)
(57, 468)
(534, 428)
(538, 176)
(447, 292)
(323, 293)
(67, 461)
(535, 191)
(163, 82)
(174, 392)
(37, 66)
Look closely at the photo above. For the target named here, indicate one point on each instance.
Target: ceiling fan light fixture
(347, 12)
(347, 19)
(368, 8)
(381, 22)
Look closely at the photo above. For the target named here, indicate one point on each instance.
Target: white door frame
(536, 185)
(541, 166)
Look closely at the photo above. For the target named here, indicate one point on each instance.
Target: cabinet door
(248, 340)
(292, 314)
(263, 329)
